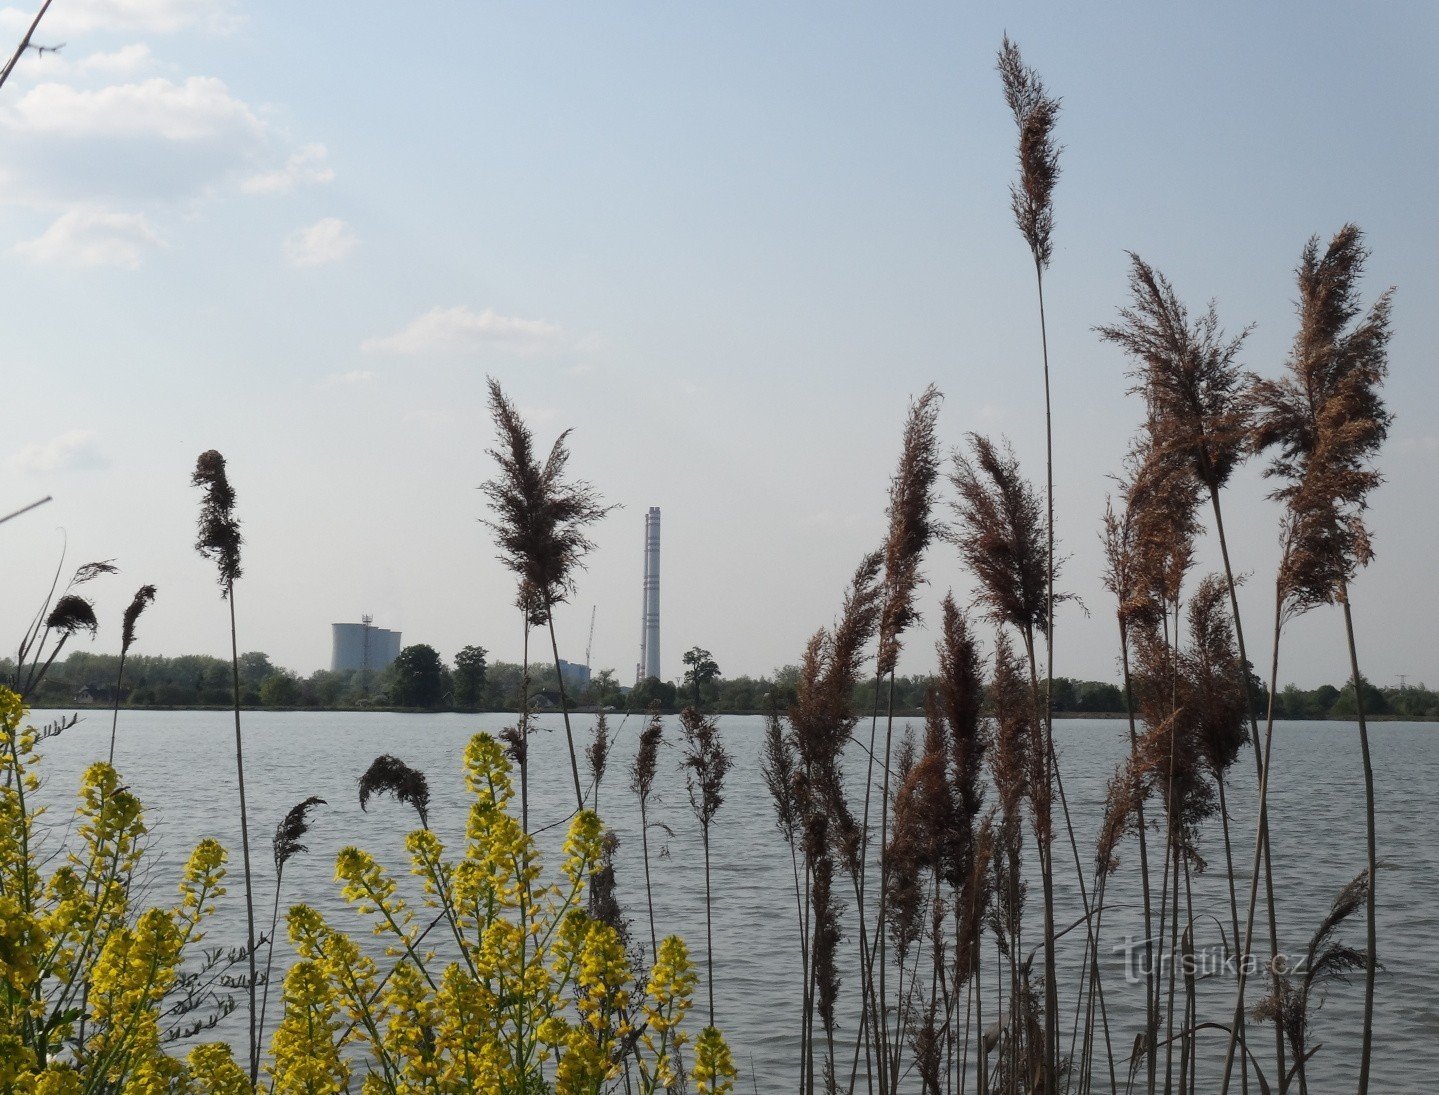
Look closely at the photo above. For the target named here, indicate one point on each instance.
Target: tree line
(421, 678)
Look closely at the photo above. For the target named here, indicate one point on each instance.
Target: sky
(724, 243)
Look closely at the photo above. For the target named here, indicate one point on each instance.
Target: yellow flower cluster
(84, 976)
(532, 993)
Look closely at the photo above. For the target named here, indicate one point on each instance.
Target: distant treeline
(420, 678)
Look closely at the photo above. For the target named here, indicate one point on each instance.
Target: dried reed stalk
(219, 540)
(539, 524)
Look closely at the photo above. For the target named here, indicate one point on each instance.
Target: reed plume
(67, 615)
(540, 522)
(1326, 961)
(1325, 421)
(388, 775)
(707, 763)
(597, 754)
(286, 844)
(1035, 114)
(143, 598)
(219, 540)
(642, 781)
(911, 528)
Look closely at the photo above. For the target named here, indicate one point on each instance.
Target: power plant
(649, 665)
(363, 646)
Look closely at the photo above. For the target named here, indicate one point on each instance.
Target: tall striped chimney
(650, 623)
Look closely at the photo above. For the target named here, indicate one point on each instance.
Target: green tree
(653, 690)
(280, 690)
(700, 669)
(469, 677)
(417, 677)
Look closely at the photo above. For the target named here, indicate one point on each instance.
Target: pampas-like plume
(960, 695)
(390, 775)
(1326, 962)
(539, 524)
(707, 763)
(642, 781)
(597, 752)
(1326, 420)
(1017, 761)
(1215, 676)
(293, 826)
(1001, 535)
(219, 531)
(540, 518)
(144, 597)
(286, 845)
(1185, 369)
(911, 498)
(72, 613)
(1035, 113)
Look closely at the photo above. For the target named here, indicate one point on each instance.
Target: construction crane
(591, 643)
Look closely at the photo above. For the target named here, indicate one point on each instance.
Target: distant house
(84, 695)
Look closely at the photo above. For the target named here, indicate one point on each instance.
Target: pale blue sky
(725, 242)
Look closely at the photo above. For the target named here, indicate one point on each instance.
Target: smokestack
(650, 623)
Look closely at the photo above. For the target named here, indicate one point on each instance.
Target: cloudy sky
(724, 242)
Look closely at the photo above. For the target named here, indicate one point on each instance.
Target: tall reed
(1326, 421)
(1032, 202)
(285, 845)
(539, 524)
(144, 596)
(642, 783)
(707, 763)
(219, 541)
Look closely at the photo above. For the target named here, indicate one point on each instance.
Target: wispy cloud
(201, 108)
(92, 237)
(326, 241)
(460, 328)
(75, 450)
(157, 16)
(306, 166)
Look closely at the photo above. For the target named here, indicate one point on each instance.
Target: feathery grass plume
(597, 753)
(1035, 113)
(1211, 664)
(707, 763)
(144, 597)
(642, 781)
(1172, 752)
(1123, 799)
(219, 531)
(1326, 420)
(72, 613)
(219, 540)
(1017, 760)
(285, 846)
(1185, 369)
(1326, 962)
(1001, 534)
(66, 616)
(778, 766)
(905, 854)
(539, 523)
(911, 497)
(292, 828)
(827, 937)
(389, 775)
(960, 695)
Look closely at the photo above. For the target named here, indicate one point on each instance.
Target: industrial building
(363, 646)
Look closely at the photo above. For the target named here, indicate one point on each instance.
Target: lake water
(181, 765)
